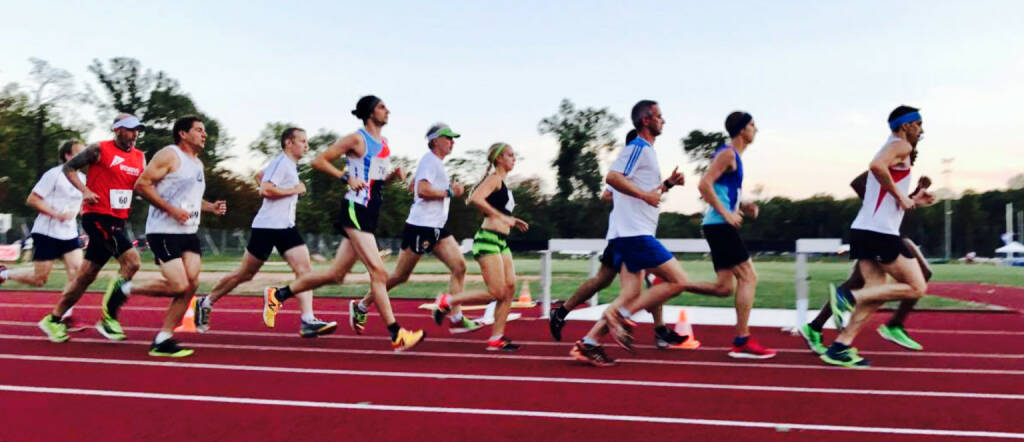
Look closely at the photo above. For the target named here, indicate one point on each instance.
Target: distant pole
(1020, 226)
(948, 209)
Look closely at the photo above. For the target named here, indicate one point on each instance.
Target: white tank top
(880, 212)
(182, 188)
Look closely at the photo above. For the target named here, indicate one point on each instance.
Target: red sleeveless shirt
(113, 179)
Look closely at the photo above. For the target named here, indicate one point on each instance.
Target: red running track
(247, 382)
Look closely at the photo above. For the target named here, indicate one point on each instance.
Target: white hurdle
(804, 247)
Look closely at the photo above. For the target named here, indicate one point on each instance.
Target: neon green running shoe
(169, 349)
(813, 339)
(110, 329)
(113, 298)
(356, 317)
(898, 335)
(466, 325)
(55, 330)
(847, 358)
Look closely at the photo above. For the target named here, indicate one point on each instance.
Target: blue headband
(740, 125)
(904, 119)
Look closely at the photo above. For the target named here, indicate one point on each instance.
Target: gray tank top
(181, 188)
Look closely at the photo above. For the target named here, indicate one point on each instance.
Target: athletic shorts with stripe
(420, 240)
(167, 247)
(263, 241)
(487, 242)
(357, 216)
(107, 237)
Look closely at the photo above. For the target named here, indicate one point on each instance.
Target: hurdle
(805, 247)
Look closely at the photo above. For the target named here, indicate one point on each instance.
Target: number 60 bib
(120, 199)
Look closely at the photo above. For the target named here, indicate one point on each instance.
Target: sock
(363, 308)
(456, 318)
(561, 312)
(3, 275)
(67, 313)
(207, 302)
(624, 312)
(815, 326)
(161, 337)
(126, 288)
(393, 329)
(589, 341)
(740, 341)
(848, 295)
(284, 293)
(54, 318)
(494, 338)
(308, 317)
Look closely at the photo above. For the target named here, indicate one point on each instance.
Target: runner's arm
(340, 149)
(860, 184)
(720, 165)
(218, 207)
(85, 158)
(426, 191)
(479, 196)
(271, 191)
(880, 169)
(156, 170)
(38, 203)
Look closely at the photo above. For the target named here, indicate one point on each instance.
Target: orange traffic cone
(683, 328)
(524, 294)
(188, 322)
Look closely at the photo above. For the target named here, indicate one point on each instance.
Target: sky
(820, 78)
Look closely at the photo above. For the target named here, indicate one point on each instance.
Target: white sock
(126, 288)
(494, 338)
(207, 302)
(308, 317)
(456, 318)
(67, 313)
(362, 307)
(3, 275)
(162, 336)
(589, 341)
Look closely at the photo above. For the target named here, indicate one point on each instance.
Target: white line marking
(536, 358)
(555, 380)
(506, 412)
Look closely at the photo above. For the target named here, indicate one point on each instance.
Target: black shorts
(107, 237)
(608, 257)
(421, 239)
(48, 248)
(357, 216)
(727, 248)
(263, 241)
(167, 247)
(874, 246)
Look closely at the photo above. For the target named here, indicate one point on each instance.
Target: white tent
(1013, 247)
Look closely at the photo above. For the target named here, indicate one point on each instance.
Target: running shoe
(407, 339)
(356, 317)
(110, 329)
(591, 354)
(114, 298)
(556, 323)
(55, 330)
(442, 308)
(2, 268)
(169, 349)
(466, 325)
(270, 306)
(202, 314)
(317, 327)
(503, 345)
(751, 350)
(667, 338)
(898, 335)
(622, 331)
(73, 324)
(846, 358)
(840, 305)
(813, 339)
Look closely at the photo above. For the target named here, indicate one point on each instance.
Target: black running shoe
(591, 354)
(169, 349)
(503, 345)
(316, 328)
(665, 338)
(555, 324)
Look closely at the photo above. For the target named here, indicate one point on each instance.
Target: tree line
(35, 117)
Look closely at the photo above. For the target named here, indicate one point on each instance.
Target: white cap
(128, 122)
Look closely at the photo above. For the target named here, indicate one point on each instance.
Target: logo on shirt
(117, 160)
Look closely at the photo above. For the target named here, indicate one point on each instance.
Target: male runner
(114, 166)
(274, 227)
(174, 183)
(636, 178)
(424, 229)
(369, 167)
(874, 238)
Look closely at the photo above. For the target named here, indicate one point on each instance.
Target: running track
(247, 382)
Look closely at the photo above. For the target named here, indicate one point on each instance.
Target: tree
(1016, 182)
(701, 146)
(582, 134)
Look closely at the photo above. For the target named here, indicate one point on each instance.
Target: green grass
(775, 286)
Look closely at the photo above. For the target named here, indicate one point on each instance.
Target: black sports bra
(502, 200)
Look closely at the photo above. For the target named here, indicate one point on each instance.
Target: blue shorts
(640, 252)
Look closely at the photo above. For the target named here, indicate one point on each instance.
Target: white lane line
(509, 412)
(538, 358)
(219, 310)
(500, 378)
(801, 350)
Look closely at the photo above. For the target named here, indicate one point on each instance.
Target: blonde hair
(493, 153)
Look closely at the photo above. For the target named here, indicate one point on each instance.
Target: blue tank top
(373, 167)
(727, 187)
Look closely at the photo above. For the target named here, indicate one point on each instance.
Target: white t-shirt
(632, 216)
(429, 213)
(279, 213)
(58, 193)
(182, 188)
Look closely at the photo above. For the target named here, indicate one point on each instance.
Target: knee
(399, 278)
(246, 276)
(178, 288)
(39, 280)
(378, 274)
(510, 291)
(459, 270)
(917, 290)
(131, 267)
(338, 277)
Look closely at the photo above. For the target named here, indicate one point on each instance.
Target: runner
(369, 167)
(174, 183)
(114, 166)
(721, 188)
(274, 227)
(55, 231)
(664, 337)
(424, 229)
(874, 238)
(636, 179)
(894, 330)
(490, 248)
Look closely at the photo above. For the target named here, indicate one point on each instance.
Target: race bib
(120, 199)
(379, 168)
(193, 214)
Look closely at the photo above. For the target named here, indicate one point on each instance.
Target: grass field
(775, 287)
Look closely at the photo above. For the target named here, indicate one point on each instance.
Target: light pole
(947, 170)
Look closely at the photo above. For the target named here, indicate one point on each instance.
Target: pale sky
(818, 77)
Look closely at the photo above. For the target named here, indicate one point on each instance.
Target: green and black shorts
(487, 242)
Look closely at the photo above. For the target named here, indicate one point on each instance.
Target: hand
(179, 214)
(355, 183)
(653, 198)
(300, 189)
(677, 178)
(924, 199)
(750, 209)
(65, 216)
(734, 219)
(89, 197)
(520, 225)
(221, 207)
(905, 203)
(458, 189)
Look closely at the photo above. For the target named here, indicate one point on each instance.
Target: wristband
(667, 184)
(450, 192)
(344, 176)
